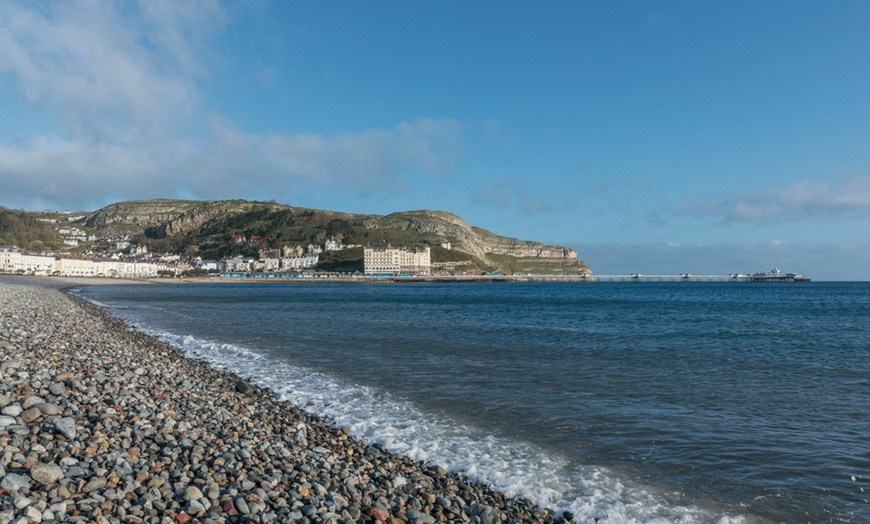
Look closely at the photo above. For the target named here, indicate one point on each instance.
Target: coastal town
(132, 261)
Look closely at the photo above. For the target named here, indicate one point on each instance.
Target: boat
(775, 275)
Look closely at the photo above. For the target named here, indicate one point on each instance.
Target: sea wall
(104, 424)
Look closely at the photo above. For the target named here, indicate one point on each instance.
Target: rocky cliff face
(499, 245)
(194, 219)
(167, 217)
(476, 241)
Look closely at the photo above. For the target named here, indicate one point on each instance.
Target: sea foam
(592, 493)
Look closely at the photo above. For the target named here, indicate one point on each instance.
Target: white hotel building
(382, 261)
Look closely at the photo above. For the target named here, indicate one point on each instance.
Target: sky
(659, 137)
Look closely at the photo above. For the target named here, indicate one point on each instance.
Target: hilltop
(208, 229)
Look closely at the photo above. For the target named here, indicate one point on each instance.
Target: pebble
(243, 388)
(31, 401)
(94, 484)
(14, 482)
(134, 432)
(419, 516)
(13, 410)
(192, 493)
(48, 408)
(29, 415)
(65, 426)
(46, 473)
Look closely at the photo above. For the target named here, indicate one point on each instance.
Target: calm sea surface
(625, 402)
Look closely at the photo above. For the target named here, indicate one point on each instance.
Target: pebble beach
(100, 423)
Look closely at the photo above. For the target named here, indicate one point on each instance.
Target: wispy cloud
(806, 200)
(228, 162)
(511, 194)
(124, 82)
(98, 66)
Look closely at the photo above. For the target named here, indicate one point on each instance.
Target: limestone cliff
(169, 217)
(482, 244)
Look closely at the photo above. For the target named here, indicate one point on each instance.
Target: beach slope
(101, 423)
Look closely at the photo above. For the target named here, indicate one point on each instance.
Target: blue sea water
(622, 402)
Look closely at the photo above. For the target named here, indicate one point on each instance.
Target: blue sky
(653, 137)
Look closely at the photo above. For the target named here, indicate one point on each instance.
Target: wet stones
(244, 388)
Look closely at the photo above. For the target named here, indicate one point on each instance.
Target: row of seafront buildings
(14, 261)
(376, 261)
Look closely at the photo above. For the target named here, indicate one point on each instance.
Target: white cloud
(183, 30)
(226, 164)
(97, 67)
(367, 158)
(806, 200)
(124, 83)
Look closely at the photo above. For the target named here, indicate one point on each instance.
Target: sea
(621, 402)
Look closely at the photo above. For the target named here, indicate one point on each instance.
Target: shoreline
(266, 278)
(128, 429)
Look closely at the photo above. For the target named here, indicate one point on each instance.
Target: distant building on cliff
(411, 261)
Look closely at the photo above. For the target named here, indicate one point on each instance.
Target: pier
(637, 277)
(686, 277)
(634, 277)
(766, 276)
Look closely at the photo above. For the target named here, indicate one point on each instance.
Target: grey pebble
(12, 410)
(65, 426)
(14, 482)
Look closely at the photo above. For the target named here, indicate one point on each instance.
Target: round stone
(57, 389)
(46, 473)
(192, 493)
(31, 414)
(12, 410)
(244, 388)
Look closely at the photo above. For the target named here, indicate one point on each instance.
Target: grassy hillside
(24, 230)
